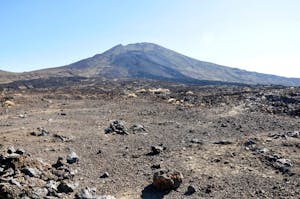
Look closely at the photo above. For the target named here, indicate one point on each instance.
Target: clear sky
(256, 35)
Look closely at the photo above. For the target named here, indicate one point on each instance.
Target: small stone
(117, 127)
(20, 151)
(90, 193)
(155, 150)
(223, 142)
(41, 132)
(39, 193)
(263, 150)
(59, 163)
(108, 130)
(31, 172)
(99, 151)
(72, 158)
(223, 125)
(65, 187)
(8, 172)
(11, 150)
(132, 95)
(52, 185)
(190, 190)
(15, 182)
(137, 128)
(196, 141)
(295, 134)
(86, 193)
(105, 197)
(155, 166)
(22, 115)
(285, 162)
(63, 138)
(249, 143)
(8, 103)
(105, 175)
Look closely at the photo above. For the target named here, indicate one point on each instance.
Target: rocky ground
(139, 139)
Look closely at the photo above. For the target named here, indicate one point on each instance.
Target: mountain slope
(147, 60)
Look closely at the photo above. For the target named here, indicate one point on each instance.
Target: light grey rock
(137, 128)
(38, 193)
(8, 172)
(86, 193)
(52, 185)
(72, 158)
(15, 182)
(105, 197)
(32, 172)
(285, 162)
(196, 141)
(263, 150)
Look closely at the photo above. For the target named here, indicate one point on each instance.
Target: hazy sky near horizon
(256, 35)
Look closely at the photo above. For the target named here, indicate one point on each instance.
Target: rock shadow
(150, 192)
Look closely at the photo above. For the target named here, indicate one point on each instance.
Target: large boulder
(167, 180)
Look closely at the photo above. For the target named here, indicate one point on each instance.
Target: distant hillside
(151, 61)
(7, 76)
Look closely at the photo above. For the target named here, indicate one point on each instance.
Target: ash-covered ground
(225, 141)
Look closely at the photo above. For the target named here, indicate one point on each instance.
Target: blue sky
(256, 35)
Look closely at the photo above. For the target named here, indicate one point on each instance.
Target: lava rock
(155, 150)
(65, 187)
(167, 180)
(32, 172)
(249, 143)
(20, 151)
(190, 190)
(223, 142)
(59, 163)
(11, 150)
(117, 127)
(155, 166)
(105, 175)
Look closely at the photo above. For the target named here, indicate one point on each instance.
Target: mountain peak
(143, 46)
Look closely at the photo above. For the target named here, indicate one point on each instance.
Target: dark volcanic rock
(167, 180)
